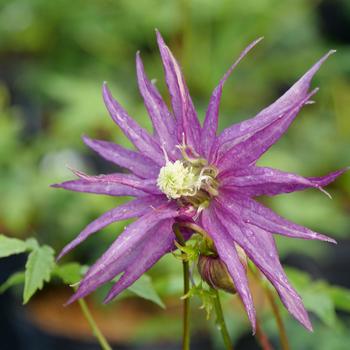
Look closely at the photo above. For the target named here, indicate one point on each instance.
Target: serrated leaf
(39, 266)
(69, 273)
(10, 246)
(143, 288)
(13, 280)
(32, 243)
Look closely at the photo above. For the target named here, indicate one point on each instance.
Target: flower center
(177, 180)
(190, 180)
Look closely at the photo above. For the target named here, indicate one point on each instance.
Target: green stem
(96, 331)
(221, 321)
(281, 329)
(186, 299)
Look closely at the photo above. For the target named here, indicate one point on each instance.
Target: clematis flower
(185, 172)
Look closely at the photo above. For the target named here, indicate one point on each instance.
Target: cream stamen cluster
(185, 178)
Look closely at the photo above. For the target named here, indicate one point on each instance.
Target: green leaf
(13, 280)
(69, 273)
(32, 244)
(143, 288)
(10, 246)
(341, 298)
(39, 266)
(319, 296)
(321, 304)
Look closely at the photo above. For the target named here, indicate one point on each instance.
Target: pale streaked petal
(157, 245)
(254, 213)
(227, 252)
(145, 185)
(162, 120)
(249, 150)
(235, 133)
(109, 189)
(140, 137)
(257, 181)
(260, 247)
(136, 162)
(125, 249)
(134, 208)
(185, 114)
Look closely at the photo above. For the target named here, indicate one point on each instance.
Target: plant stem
(96, 331)
(186, 299)
(262, 337)
(221, 321)
(281, 329)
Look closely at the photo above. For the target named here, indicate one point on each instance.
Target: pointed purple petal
(142, 140)
(321, 181)
(292, 97)
(211, 118)
(136, 162)
(145, 185)
(162, 120)
(185, 114)
(160, 243)
(254, 213)
(88, 285)
(125, 249)
(258, 181)
(227, 252)
(249, 150)
(135, 208)
(110, 189)
(260, 246)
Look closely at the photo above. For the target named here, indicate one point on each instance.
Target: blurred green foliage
(56, 54)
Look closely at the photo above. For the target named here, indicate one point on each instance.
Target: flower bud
(214, 271)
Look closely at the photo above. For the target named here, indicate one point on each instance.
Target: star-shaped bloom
(185, 172)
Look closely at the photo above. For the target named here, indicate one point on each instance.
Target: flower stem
(281, 329)
(186, 299)
(221, 321)
(262, 337)
(96, 331)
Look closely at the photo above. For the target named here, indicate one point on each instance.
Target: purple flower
(186, 172)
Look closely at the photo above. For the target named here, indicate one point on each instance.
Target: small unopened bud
(214, 271)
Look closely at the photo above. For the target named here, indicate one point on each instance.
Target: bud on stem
(213, 271)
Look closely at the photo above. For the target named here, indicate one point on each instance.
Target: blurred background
(54, 56)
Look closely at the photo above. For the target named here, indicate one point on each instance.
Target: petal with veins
(248, 150)
(227, 252)
(257, 181)
(140, 137)
(185, 114)
(254, 213)
(145, 185)
(109, 189)
(123, 251)
(260, 247)
(136, 162)
(292, 97)
(135, 208)
(163, 122)
(156, 246)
